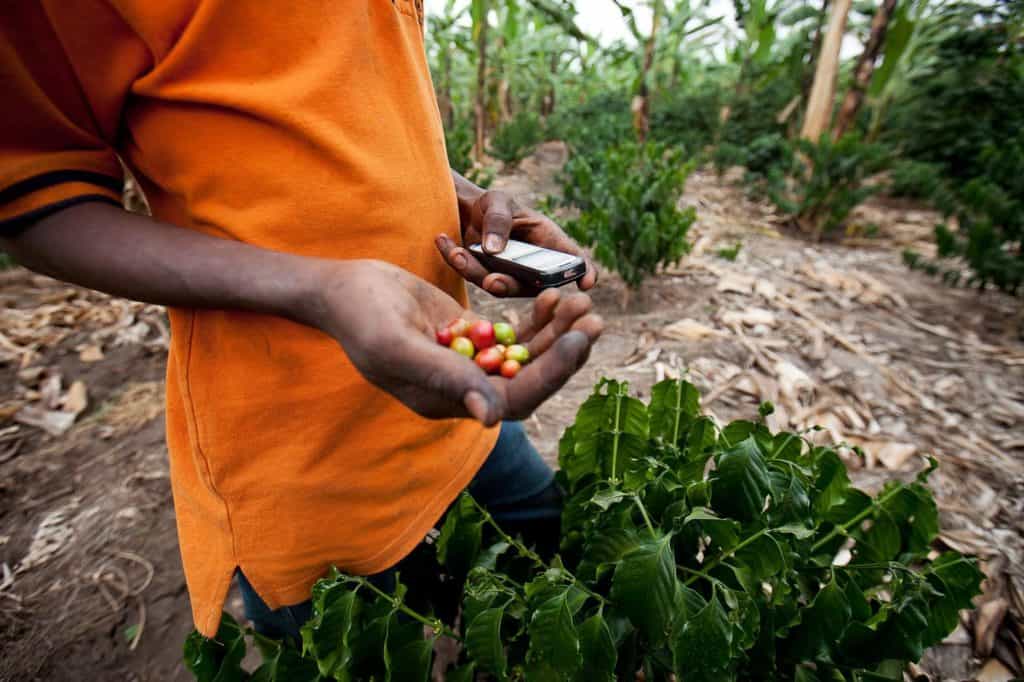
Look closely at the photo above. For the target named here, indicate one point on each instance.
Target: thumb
(493, 215)
(445, 377)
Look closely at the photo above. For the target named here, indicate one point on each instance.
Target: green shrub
(915, 179)
(990, 213)
(817, 185)
(628, 200)
(515, 140)
(966, 117)
(594, 125)
(690, 120)
(459, 144)
(667, 565)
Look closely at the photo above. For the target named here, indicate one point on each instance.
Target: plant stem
(643, 511)
(679, 404)
(434, 624)
(711, 565)
(529, 553)
(842, 529)
(615, 440)
(698, 574)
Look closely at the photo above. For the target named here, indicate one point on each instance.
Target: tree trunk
(505, 112)
(865, 67)
(480, 107)
(642, 102)
(805, 89)
(549, 100)
(823, 91)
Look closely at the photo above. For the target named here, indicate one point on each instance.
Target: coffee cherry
(459, 327)
(517, 353)
(510, 368)
(489, 360)
(481, 333)
(463, 346)
(445, 336)
(504, 333)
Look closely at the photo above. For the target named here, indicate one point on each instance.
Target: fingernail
(494, 243)
(459, 261)
(499, 288)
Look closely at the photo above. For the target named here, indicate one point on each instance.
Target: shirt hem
(300, 590)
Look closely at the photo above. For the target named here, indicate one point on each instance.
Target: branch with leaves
(690, 549)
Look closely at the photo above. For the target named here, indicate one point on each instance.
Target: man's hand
(490, 219)
(383, 316)
(394, 347)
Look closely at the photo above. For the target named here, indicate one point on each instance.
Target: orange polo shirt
(308, 127)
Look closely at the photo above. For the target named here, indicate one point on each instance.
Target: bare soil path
(845, 337)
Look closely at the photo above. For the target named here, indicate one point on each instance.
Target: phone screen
(544, 260)
(534, 257)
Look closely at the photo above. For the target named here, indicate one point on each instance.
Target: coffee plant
(712, 553)
(516, 139)
(628, 200)
(915, 180)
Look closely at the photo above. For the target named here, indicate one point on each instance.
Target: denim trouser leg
(514, 484)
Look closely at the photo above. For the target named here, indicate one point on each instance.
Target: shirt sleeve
(65, 71)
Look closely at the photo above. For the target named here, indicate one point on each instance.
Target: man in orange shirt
(294, 160)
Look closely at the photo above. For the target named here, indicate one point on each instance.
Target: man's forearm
(106, 248)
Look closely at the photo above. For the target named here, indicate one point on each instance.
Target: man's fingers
(493, 214)
(536, 382)
(502, 286)
(569, 309)
(435, 376)
(543, 312)
(461, 260)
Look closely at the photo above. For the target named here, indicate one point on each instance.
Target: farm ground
(842, 336)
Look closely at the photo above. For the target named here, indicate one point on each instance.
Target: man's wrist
(319, 288)
(467, 194)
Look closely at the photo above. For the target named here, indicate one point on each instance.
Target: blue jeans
(515, 485)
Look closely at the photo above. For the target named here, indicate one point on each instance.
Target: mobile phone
(533, 266)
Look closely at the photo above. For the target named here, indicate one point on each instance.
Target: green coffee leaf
(461, 537)
(701, 436)
(484, 643)
(724, 533)
(411, 662)
(824, 622)
(598, 651)
(603, 499)
(791, 502)
(488, 558)
(218, 659)
(674, 404)
(913, 508)
(702, 644)
(288, 665)
(832, 483)
(326, 635)
(740, 485)
(644, 587)
(763, 557)
(881, 541)
(553, 637)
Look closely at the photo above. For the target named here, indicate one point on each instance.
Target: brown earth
(90, 578)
